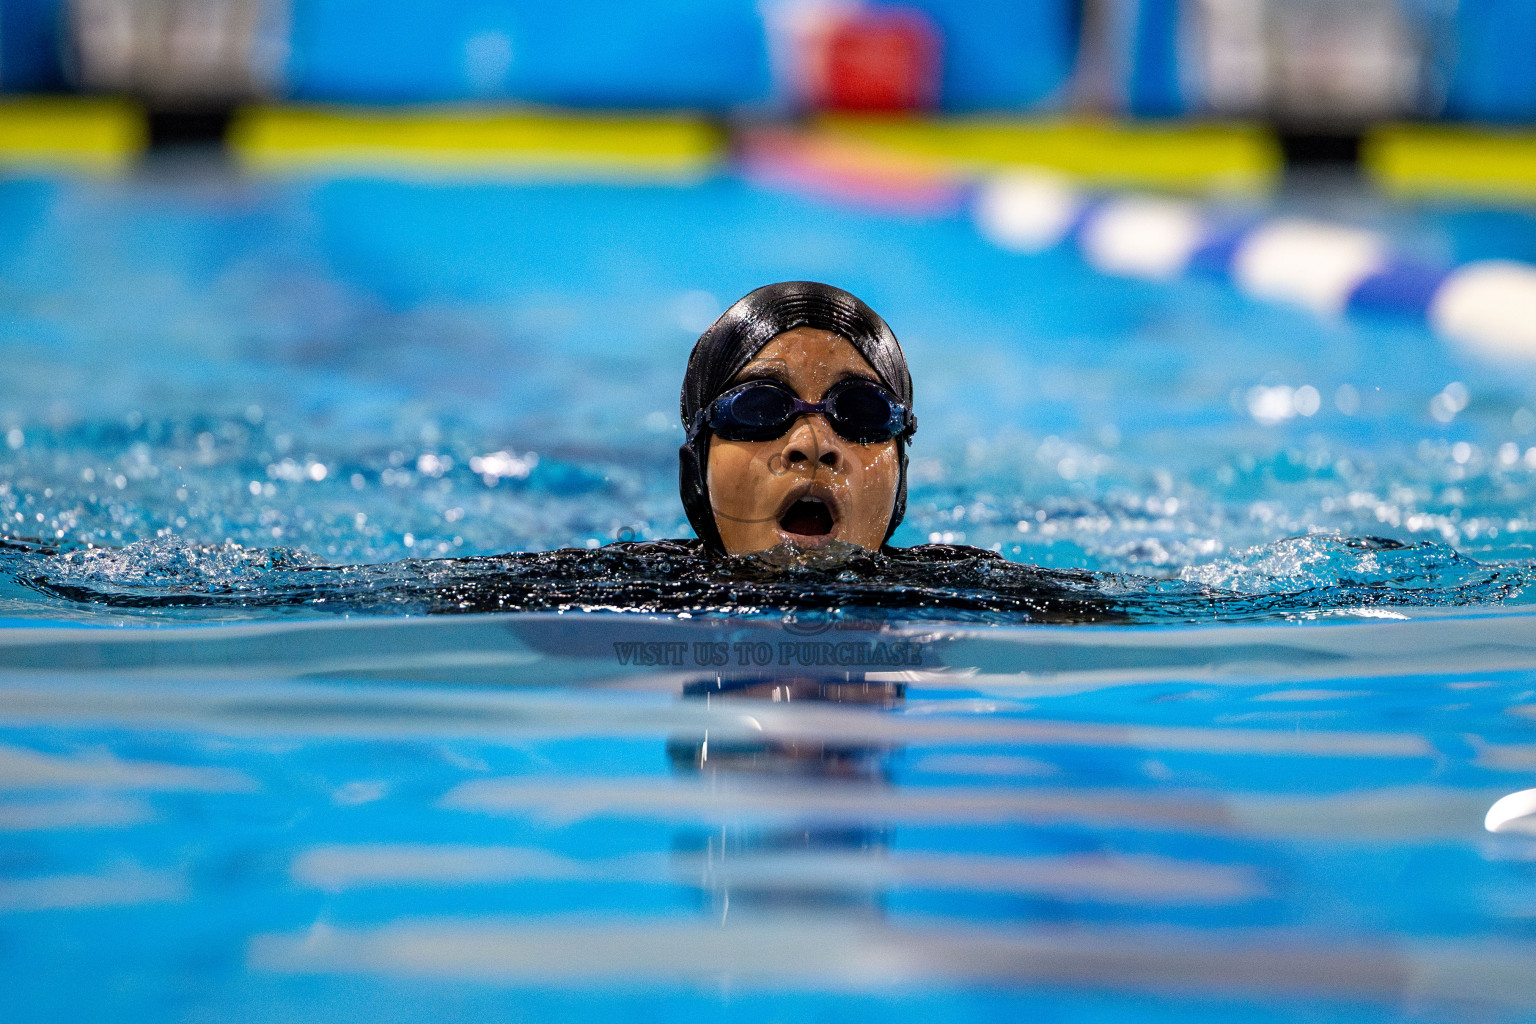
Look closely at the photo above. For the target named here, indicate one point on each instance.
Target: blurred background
(1308, 66)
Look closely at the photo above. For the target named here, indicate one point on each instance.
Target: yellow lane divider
(1452, 160)
(479, 142)
(71, 133)
(1200, 157)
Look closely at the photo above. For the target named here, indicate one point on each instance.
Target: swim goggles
(859, 410)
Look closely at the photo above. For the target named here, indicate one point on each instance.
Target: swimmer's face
(810, 486)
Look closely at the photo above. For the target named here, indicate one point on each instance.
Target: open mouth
(807, 517)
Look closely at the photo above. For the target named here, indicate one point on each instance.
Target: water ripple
(1299, 577)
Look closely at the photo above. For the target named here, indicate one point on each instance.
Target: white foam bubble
(1306, 262)
(1144, 237)
(1489, 305)
(1026, 211)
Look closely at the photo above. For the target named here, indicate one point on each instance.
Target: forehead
(808, 358)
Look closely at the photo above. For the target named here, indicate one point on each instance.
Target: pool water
(351, 347)
(280, 797)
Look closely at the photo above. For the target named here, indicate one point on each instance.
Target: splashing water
(322, 382)
(1320, 562)
(173, 562)
(1295, 578)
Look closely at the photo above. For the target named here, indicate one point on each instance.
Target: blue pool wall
(675, 53)
(709, 54)
(31, 45)
(1493, 75)
(702, 54)
(714, 54)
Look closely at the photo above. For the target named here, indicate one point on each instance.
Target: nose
(810, 443)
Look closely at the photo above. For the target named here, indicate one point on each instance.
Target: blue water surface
(347, 347)
(509, 817)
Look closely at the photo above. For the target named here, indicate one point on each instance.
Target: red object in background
(880, 58)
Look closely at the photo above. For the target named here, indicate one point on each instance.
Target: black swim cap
(739, 334)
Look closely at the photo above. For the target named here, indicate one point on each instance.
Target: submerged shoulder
(942, 553)
(608, 554)
(989, 569)
(671, 547)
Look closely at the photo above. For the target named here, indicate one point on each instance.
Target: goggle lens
(761, 410)
(862, 413)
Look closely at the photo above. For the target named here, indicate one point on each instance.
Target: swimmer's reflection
(813, 865)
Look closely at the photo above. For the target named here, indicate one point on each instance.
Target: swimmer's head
(758, 470)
